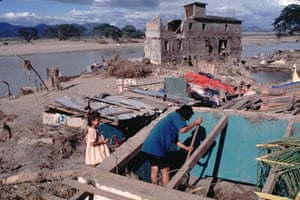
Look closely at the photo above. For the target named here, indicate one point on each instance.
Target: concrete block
(58, 119)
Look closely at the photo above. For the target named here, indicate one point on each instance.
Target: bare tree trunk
(28, 66)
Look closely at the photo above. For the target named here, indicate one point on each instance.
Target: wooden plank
(289, 128)
(128, 149)
(193, 142)
(273, 92)
(271, 180)
(63, 109)
(136, 188)
(199, 152)
(80, 195)
(277, 100)
(93, 190)
(47, 196)
(240, 103)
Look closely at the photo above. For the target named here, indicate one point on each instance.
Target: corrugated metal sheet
(72, 103)
(110, 107)
(155, 93)
(176, 87)
(126, 102)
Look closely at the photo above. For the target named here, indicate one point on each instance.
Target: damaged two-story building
(197, 37)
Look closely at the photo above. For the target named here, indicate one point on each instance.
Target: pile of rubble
(122, 68)
(280, 61)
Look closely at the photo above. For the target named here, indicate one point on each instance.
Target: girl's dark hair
(92, 116)
(185, 112)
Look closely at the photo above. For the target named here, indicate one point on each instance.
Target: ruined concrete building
(197, 37)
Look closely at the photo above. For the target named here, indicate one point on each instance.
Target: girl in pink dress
(96, 144)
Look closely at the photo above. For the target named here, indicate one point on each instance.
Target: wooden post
(28, 65)
(200, 151)
(193, 142)
(8, 88)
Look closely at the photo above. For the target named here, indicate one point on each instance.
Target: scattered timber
(113, 186)
(274, 100)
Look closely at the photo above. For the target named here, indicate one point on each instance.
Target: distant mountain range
(9, 30)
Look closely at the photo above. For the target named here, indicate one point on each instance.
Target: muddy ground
(34, 157)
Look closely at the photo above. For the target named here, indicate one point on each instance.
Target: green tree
(81, 30)
(107, 31)
(29, 33)
(131, 32)
(50, 32)
(288, 21)
(67, 31)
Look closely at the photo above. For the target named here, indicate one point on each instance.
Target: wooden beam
(93, 190)
(240, 103)
(136, 189)
(199, 152)
(47, 196)
(289, 128)
(271, 180)
(128, 149)
(80, 195)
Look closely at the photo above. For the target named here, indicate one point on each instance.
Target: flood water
(69, 63)
(73, 63)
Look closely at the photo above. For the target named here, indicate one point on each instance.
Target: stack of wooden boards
(281, 99)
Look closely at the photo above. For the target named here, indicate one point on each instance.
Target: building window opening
(208, 46)
(222, 46)
(203, 27)
(166, 45)
(190, 26)
(180, 45)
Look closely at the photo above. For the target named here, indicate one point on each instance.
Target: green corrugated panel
(176, 86)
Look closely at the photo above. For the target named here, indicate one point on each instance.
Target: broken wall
(199, 37)
(152, 44)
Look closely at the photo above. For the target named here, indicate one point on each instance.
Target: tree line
(288, 22)
(70, 31)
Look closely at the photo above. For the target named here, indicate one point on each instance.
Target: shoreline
(14, 47)
(56, 46)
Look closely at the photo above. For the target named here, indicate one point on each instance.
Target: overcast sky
(134, 12)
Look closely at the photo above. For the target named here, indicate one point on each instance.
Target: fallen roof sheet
(111, 107)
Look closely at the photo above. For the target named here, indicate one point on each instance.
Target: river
(73, 63)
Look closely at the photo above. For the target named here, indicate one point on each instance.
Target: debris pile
(273, 100)
(122, 68)
(279, 61)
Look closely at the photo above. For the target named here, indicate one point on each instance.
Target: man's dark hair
(185, 112)
(92, 116)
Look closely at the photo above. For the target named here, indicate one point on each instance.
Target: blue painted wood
(238, 157)
(108, 131)
(296, 129)
(286, 84)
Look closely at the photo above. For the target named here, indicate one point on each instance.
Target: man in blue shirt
(161, 138)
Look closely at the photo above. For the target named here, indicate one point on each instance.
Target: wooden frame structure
(104, 181)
